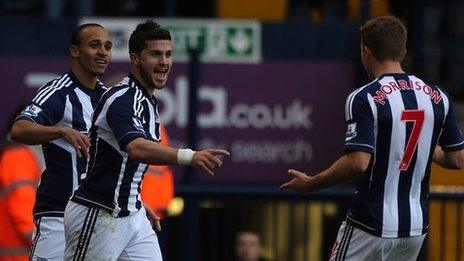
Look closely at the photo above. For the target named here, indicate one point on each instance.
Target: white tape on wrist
(185, 156)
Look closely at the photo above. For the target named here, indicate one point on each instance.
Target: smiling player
(105, 217)
(59, 118)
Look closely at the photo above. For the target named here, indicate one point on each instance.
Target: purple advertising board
(271, 116)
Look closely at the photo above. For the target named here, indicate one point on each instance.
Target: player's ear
(134, 58)
(74, 51)
(364, 48)
(367, 51)
(405, 51)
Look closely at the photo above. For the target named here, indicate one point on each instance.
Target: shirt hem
(382, 234)
(90, 203)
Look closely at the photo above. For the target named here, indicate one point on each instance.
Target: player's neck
(144, 84)
(85, 79)
(386, 67)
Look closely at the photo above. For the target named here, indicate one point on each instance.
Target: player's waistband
(378, 232)
(48, 214)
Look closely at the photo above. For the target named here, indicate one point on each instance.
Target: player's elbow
(135, 150)
(359, 167)
(359, 162)
(460, 162)
(16, 132)
(455, 159)
(135, 153)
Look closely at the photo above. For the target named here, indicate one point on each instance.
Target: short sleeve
(47, 107)
(125, 121)
(451, 138)
(359, 124)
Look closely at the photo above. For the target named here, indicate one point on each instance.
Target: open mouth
(160, 73)
(101, 61)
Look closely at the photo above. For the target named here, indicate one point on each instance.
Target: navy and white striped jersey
(62, 101)
(399, 119)
(125, 112)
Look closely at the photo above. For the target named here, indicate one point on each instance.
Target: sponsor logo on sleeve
(138, 123)
(32, 110)
(351, 131)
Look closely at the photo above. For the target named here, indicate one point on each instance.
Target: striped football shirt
(399, 119)
(63, 101)
(126, 112)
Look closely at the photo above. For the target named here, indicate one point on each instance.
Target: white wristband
(185, 156)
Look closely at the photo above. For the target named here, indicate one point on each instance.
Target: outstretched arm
(343, 170)
(31, 133)
(153, 153)
(449, 159)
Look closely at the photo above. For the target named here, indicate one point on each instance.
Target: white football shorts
(48, 239)
(94, 234)
(355, 244)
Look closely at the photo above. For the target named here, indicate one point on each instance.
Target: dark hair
(145, 32)
(386, 37)
(75, 36)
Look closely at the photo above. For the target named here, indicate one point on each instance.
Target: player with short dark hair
(145, 32)
(396, 126)
(105, 217)
(59, 118)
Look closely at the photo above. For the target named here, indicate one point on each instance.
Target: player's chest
(78, 111)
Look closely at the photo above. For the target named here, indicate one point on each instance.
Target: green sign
(225, 41)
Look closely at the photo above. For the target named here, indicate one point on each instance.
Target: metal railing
(292, 227)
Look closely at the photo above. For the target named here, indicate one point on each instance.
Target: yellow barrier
(450, 181)
(269, 10)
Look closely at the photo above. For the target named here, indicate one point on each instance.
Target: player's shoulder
(422, 82)
(361, 92)
(123, 93)
(54, 90)
(429, 87)
(58, 83)
(116, 89)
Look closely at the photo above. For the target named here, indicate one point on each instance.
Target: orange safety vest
(19, 174)
(158, 184)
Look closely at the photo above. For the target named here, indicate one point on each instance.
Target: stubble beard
(97, 73)
(147, 78)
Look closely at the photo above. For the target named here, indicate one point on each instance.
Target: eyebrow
(159, 51)
(98, 40)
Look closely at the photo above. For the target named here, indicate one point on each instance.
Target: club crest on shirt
(32, 110)
(351, 131)
(137, 123)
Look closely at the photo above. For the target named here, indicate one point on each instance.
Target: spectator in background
(19, 175)
(248, 246)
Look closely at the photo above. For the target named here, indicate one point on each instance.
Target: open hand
(209, 159)
(299, 183)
